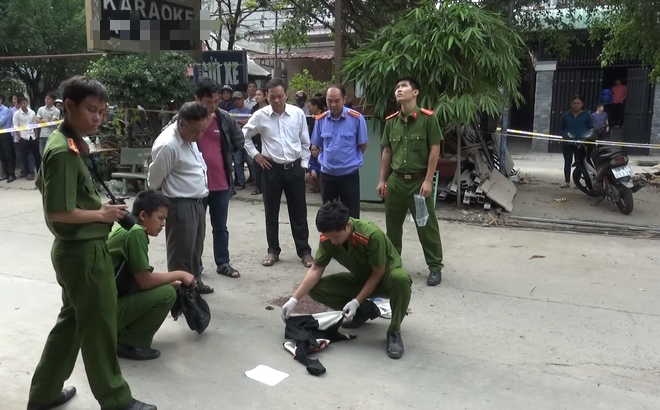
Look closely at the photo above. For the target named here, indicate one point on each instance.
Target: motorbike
(603, 172)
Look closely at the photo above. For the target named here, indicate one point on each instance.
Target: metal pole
(505, 115)
(277, 62)
(338, 48)
(459, 137)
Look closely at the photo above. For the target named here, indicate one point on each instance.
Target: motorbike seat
(605, 154)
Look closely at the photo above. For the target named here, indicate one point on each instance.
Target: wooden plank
(500, 190)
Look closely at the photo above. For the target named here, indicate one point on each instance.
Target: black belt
(409, 175)
(187, 199)
(287, 166)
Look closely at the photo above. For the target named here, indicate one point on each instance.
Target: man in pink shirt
(618, 98)
(220, 141)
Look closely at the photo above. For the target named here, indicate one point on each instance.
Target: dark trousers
(7, 154)
(30, 147)
(617, 114)
(345, 188)
(292, 182)
(570, 151)
(185, 231)
(218, 205)
(258, 171)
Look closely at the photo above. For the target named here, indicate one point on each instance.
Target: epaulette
(392, 115)
(358, 237)
(353, 113)
(72, 146)
(427, 112)
(323, 238)
(318, 117)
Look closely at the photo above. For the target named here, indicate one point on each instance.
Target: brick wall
(542, 105)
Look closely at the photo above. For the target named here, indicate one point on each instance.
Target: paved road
(585, 338)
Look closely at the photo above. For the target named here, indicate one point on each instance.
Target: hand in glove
(351, 308)
(288, 307)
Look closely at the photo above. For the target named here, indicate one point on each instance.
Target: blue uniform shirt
(339, 140)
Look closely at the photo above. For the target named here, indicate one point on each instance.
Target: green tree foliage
(41, 27)
(305, 82)
(461, 54)
(628, 29)
(147, 80)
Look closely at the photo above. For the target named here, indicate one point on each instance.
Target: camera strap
(89, 161)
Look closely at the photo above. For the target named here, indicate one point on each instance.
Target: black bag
(194, 308)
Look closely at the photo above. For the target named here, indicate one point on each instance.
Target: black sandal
(256, 192)
(229, 272)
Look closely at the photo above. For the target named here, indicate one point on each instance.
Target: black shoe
(11, 178)
(370, 312)
(394, 345)
(138, 405)
(2, 178)
(30, 177)
(66, 394)
(435, 277)
(137, 353)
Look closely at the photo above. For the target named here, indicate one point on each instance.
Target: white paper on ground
(266, 375)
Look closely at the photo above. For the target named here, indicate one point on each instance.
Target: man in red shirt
(618, 98)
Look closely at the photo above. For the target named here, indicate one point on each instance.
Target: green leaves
(461, 55)
(305, 82)
(144, 79)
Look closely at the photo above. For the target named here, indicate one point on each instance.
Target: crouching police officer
(374, 270)
(145, 297)
(80, 223)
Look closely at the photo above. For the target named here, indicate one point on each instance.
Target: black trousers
(257, 168)
(617, 114)
(292, 182)
(7, 154)
(569, 150)
(345, 188)
(30, 147)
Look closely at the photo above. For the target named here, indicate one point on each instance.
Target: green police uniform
(368, 248)
(410, 139)
(141, 313)
(87, 321)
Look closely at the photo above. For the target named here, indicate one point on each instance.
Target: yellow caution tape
(558, 138)
(31, 126)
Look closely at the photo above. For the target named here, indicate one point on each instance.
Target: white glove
(288, 307)
(351, 308)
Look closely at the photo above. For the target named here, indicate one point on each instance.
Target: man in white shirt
(47, 113)
(250, 102)
(27, 138)
(179, 172)
(284, 159)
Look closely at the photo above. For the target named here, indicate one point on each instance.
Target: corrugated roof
(321, 55)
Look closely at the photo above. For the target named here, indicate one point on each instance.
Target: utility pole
(338, 48)
(276, 64)
(505, 114)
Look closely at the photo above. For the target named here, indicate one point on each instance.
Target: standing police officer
(341, 133)
(411, 147)
(83, 267)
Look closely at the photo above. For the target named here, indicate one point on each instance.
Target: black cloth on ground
(304, 330)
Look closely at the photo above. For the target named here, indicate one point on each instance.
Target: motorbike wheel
(577, 180)
(626, 203)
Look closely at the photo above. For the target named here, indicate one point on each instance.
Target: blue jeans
(240, 157)
(218, 204)
(19, 154)
(42, 145)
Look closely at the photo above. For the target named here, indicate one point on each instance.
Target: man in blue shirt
(241, 156)
(7, 152)
(341, 133)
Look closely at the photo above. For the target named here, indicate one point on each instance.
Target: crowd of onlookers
(25, 147)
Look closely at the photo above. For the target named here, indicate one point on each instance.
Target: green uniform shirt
(65, 184)
(130, 246)
(368, 247)
(411, 139)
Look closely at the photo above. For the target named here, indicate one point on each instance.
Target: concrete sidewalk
(574, 329)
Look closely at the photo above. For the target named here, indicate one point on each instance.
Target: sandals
(203, 288)
(256, 192)
(270, 259)
(228, 271)
(308, 261)
(314, 191)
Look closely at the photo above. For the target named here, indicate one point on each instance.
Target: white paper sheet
(266, 375)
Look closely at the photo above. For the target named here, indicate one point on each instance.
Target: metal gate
(638, 109)
(566, 84)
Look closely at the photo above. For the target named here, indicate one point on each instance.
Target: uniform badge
(323, 238)
(353, 113)
(359, 238)
(427, 112)
(72, 146)
(391, 116)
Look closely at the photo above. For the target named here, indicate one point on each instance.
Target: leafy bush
(305, 82)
